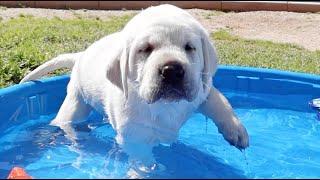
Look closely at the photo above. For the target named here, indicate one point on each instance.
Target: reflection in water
(45, 152)
(200, 152)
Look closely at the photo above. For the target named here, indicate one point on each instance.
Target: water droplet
(245, 157)
(206, 124)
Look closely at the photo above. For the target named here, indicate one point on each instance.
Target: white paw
(236, 135)
(67, 128)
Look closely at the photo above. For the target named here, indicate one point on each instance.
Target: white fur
(115, 78)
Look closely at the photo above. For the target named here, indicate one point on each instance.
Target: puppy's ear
(117, 71)
(210, 62)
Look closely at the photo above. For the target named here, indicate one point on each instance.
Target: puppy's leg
(220, 111)
(73, 108)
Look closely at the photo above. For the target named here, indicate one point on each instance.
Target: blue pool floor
(283, 144)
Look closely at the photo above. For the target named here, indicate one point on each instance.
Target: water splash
(112, 163)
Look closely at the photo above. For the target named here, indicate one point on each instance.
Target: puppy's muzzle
(172, 81)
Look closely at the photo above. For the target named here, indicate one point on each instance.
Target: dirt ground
(286, 27)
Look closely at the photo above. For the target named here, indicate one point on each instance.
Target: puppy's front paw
(236, 135)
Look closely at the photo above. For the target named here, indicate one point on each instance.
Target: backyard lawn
(26, 42)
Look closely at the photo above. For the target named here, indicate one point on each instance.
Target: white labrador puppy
(148, 79)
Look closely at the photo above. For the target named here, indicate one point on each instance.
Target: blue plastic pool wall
(43, 97)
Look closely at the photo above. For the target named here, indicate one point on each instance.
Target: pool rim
(242, 71)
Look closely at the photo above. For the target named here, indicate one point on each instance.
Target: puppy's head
(168, 57)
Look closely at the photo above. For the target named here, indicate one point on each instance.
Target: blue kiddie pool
(273, 105)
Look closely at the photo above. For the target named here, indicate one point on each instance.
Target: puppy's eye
(148, 49)
(189, 48)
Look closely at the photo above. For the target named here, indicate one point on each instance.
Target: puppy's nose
(172, 72)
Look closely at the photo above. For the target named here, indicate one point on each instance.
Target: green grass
(3, 8)
(26, 42)
(233, 50)
(212, 14)
(25, 15)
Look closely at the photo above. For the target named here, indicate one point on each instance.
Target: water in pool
(284, 143)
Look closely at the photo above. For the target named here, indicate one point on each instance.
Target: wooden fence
(295, 6)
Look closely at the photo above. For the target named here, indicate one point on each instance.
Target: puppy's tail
(61, 61)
